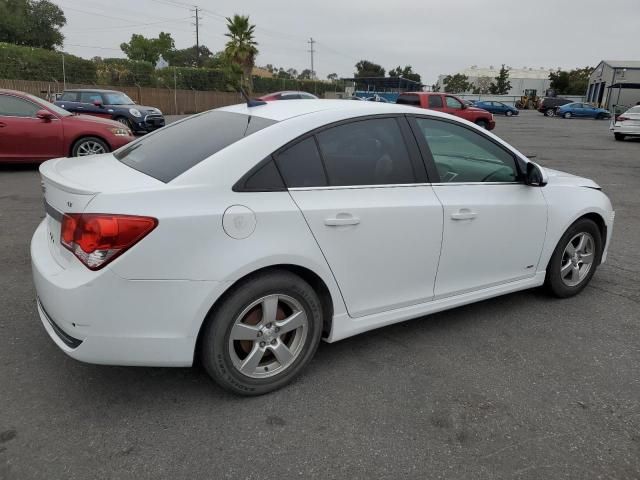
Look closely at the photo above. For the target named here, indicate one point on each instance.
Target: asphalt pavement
(519, 387)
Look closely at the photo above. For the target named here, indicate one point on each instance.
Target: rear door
(23, 136)
(362, 190)
(435, 102)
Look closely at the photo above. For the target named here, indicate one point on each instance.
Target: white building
(523, 80)
(614, 82)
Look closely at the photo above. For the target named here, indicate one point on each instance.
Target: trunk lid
(69, 185)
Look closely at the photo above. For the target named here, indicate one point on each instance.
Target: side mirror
(98, 103)
(464, 106)
(535, 176)
(45, 115)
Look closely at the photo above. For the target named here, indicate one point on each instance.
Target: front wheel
(89, 146)
(263, 334)
(549, 112)
(575, 259)
(508, 113)
(567, 115)
(482, 123)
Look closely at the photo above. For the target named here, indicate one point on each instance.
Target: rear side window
(435, 101)
(182, 145)
(367, 152)
(69, 97)
(408, 100)
(301, 165)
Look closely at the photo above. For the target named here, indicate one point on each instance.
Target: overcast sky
(435, 37)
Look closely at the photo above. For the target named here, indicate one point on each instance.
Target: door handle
(464, 214)
(341, 220)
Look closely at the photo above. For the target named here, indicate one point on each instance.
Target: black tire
(215, 348)
(550, 112)
(567, 115)
(82, 143)
(482, 123)
(553, 280)
(125, 121)
(618, 136)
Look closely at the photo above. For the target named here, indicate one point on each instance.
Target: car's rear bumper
(99, 317)
(624, 130)
(491, 124)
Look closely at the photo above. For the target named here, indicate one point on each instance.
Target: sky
(435, 37)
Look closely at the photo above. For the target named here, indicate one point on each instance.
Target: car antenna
(251, 102)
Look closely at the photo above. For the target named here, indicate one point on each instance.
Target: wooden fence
(171, 102)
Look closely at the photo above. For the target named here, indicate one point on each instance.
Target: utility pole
(197, 25)
(312, 51)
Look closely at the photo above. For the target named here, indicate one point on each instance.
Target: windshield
(182, 145)
(54, 108)
(118, 98)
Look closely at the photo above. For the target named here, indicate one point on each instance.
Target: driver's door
(494, 224)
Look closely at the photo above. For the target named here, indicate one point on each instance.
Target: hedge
(25, 63)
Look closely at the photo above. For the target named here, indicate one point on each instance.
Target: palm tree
(241, 48)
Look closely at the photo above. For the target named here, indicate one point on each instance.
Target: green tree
(502, 85)
(305, 74)
(406, 72)
(31, 23)
(188, 57)
(332, 77)
(241, 49)
(482, 86)
(573, 82)
(148, 49)
(365, 68)
(458, 83)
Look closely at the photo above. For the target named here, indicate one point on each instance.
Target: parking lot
(518, 387)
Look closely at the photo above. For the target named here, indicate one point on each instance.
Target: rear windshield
(176, 148)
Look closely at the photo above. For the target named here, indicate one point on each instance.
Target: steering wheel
(499, 169)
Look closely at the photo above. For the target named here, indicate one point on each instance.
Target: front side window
(117, 98)
(435, 101)
(453, 103)
(90, 97)
(462, 155)
(367, 152)
(11, 106)
(182, 145)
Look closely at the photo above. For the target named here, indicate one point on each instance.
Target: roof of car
(91, 90)
(293, 108)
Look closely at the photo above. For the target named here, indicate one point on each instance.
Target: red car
(447, 103)
(288, 95)
(34, 130)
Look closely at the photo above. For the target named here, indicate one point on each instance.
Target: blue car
(497, 108)
(582, 110)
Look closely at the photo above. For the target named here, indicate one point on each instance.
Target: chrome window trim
(396, 185)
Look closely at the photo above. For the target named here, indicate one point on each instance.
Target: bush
(26, 63)
(124, 72)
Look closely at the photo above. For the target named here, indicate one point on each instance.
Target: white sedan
(627, 124)
(245, 235)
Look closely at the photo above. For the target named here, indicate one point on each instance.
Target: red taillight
(97, 238)
(622, 118)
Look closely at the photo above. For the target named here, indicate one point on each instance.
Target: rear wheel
(549, 112)
(89, 146)
(567, 115)
(263, 334)
(575, 259)
(618, 136)
(482, 123)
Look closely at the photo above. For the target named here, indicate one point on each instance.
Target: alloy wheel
(577, 259)
(90, 148)
(268, 336)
